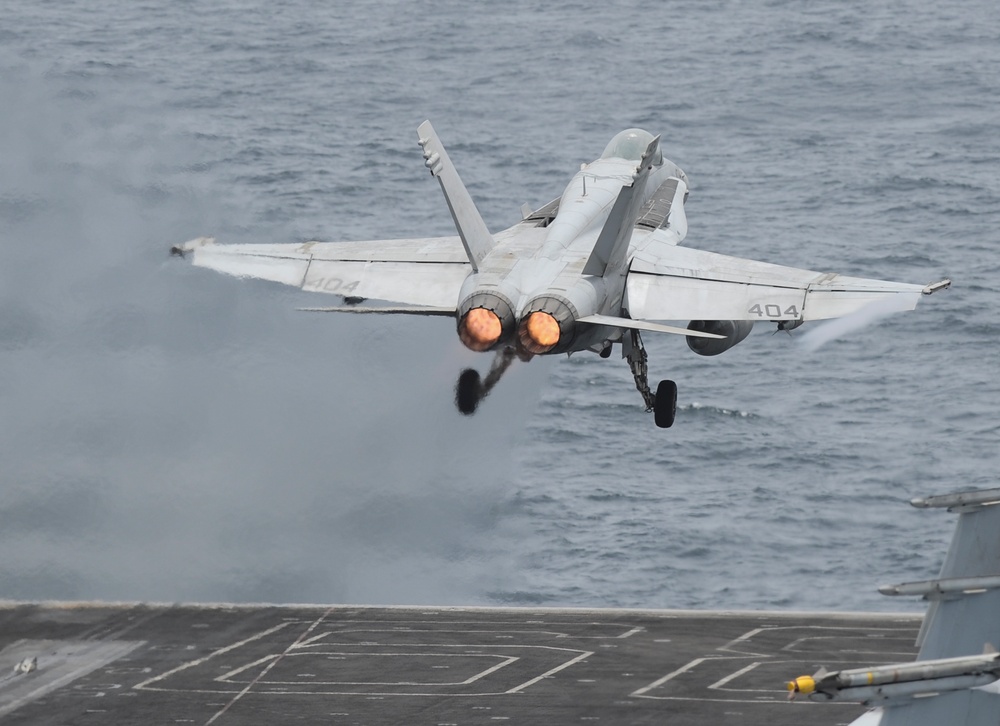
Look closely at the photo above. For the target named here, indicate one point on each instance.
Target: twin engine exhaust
(486, 321)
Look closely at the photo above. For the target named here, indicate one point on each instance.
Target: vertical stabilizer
(470, 225)
(610, 252)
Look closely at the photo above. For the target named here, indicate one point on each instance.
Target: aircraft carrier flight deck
(72, 663)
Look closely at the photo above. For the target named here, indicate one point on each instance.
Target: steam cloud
(170, 434)
(818, 336)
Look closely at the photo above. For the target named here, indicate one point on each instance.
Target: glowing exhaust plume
(539, 333)
(480, 329)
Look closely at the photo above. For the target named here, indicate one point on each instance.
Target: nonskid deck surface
(151, 664)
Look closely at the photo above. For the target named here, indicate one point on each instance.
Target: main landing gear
(664, 403)
(470, 389)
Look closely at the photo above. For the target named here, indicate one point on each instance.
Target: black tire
(468, 391)
(665, 406)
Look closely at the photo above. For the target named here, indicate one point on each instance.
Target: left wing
(420, 272)
(679, 283)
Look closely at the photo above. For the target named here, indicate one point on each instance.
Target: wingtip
(935, 286)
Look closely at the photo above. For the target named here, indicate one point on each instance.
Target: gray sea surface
(172, 434)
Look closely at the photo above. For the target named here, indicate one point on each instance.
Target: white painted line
(567, 664)
(310, 641)
(732, 676)
(199, 661)
(226, 677)
(494, 669)
(633, 631)
(743, 638)
(504, 661)
(238, 696)
(673, 674)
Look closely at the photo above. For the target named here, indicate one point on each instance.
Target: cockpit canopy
(630, 144)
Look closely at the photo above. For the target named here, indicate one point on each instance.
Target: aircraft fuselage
(534, 301)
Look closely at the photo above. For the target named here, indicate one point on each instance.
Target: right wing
(666, 282)
(418, 272)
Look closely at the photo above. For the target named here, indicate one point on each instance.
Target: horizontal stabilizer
(357, 309)
(614, 322)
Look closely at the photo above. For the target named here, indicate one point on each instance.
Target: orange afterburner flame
(541, 333)
(480, 329)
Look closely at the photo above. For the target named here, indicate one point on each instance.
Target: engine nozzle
(547, 325)
(539, 333)
(485, 320)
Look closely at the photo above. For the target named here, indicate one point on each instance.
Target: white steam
(817, 337)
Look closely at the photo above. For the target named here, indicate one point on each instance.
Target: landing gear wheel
(468, 391)
(666, 404)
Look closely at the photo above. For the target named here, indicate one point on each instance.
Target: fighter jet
(594, 268)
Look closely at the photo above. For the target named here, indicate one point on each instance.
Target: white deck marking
(633, 631)
(310, 641)
(238, 696)
(673, 674)
(732, 676)
(225, 677)
(546, 674)
(199, 661)
(504, 661)
(836, 629)
(743, 638)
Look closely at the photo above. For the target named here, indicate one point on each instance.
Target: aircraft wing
(680, 283)
(426, 273)
(968, 708)
(964, 614)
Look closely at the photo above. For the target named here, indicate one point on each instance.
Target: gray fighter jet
(595, 267)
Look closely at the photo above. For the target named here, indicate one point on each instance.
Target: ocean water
(171, 434)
